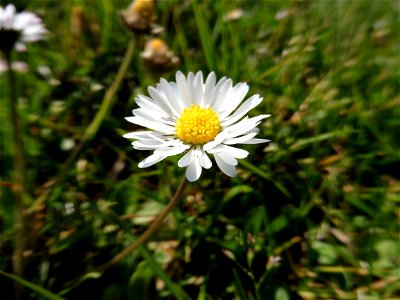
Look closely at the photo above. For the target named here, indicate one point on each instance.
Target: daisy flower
(196, 119)
(16, 29)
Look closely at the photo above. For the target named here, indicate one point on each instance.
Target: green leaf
(281, 294)
(36, 288)
(175, 289)
(236, 190)
(279, 223)
(327, 254)
(138, 287)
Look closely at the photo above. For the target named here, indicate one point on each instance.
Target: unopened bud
(158, 55)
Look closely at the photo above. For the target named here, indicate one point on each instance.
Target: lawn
(312, 214)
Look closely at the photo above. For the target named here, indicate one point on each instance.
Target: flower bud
(158, 55)
(140, 16)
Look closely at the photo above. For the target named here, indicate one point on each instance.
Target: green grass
(323, 195)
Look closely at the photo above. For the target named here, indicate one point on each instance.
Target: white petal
(217, 140)
(205, 161)
(221, 95)
(20, 47)
(143, 135)
(226, 168)
(236, 152)
(256, 141)
(247, 128)
(240, 140)
(9, 12)
(145, 114)
(208, 89)
(193, 171)
(242, 110)
(150, 160)
(244, 126)
(130, 135)
(186, 159)
(24, 19)
(161, 101)
(198, 88)
(215, 91)
(172, 150)
(226, 157)
(171, 96)
(146, 103)
(183, 88)
(190, 82)
(236, 96)
(147, 145)
(157, 126)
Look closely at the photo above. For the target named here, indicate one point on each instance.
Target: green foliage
(311, 215)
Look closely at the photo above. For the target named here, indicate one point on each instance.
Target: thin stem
(156, 223)
(106, 106)
(149, 231)
(19, 185)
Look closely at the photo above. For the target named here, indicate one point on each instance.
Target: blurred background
(314, 214)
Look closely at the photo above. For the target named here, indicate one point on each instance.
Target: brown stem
(156, 223)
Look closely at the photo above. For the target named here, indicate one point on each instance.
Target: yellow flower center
(197, 125)
(158, 45)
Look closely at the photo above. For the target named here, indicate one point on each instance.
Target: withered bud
(158, 55)
(140, 16)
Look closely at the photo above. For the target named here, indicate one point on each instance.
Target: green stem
(19, 185)
(106, 106)
(149, 231)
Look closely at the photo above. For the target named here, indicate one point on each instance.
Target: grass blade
(36, 288)
(178, 292)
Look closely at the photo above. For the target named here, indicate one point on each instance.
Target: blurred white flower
(67, 144)
(282, 14)
(234, 15)
(18, 66)
(198, 118)
(16, 29)
(69, 208)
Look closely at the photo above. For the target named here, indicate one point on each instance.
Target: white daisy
(16, 29)
(196, 118)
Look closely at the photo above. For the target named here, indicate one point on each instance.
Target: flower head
(16, 29)
(196, 118)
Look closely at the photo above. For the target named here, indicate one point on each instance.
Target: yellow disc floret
(197, 125)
